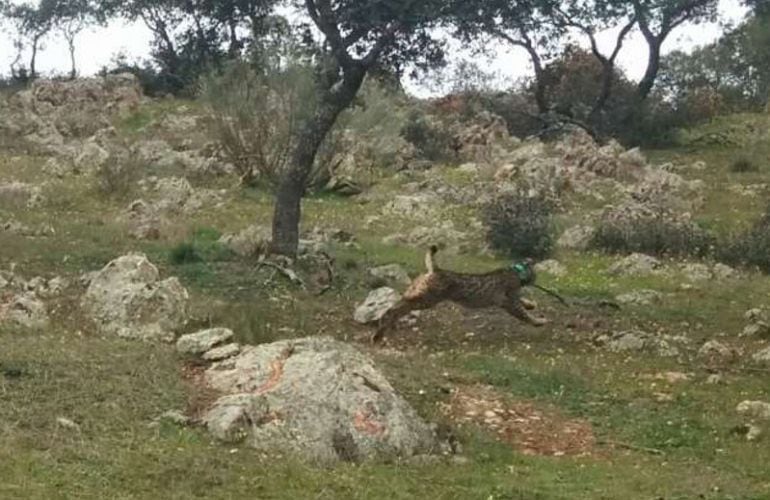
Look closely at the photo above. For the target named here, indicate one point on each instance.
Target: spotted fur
(500, 288)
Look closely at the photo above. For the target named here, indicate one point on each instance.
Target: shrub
(750, 248)
(202, 246)
(431, 141)
(116, 176)
(653, 231)
(520, 225)
(743, 165)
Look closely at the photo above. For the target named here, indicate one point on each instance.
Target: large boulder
(128, 299)
(315, 398)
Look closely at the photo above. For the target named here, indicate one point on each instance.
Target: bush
(202, 246)
(750, 248)
(432, 141)
(652, 231)
(519, 225)
(117, 176)
(743, 165)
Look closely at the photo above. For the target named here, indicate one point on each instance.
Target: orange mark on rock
(363, 423)
(276, 372)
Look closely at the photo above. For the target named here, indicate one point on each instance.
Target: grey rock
(576, 238)
(316, 398)
(723, 272)
(636, 264)
(716, 351)
(202, 341)
(759, 329)
(638, 341)
(24, 310)
(222, 352)
(377, 303)
(128, 299)
(754, 409)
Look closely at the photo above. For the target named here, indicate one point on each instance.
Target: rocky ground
(147, 346)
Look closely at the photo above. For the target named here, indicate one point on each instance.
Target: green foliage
(750, 248)
(655, 233)
(743, 164)
(431, 140)
(519, 225)
(203, 246)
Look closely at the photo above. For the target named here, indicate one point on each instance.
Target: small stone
(755, 314)
(200, 342)
(755, 409)
(758, 329)
(715, 379)
(222, 352)
(66, 423)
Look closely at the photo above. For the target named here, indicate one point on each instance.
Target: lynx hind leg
(528, 304)
(516, 308)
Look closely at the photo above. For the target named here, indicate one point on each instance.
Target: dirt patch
(530, 428)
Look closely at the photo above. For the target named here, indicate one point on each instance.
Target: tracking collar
(524, 272)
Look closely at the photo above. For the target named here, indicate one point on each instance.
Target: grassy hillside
(584, 422)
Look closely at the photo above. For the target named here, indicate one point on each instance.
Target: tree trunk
(33, 59)
(73, 70)
(308, 140)
(653, 66)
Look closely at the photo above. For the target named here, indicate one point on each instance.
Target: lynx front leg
(401, 309)
(517, 309)
(528, 304)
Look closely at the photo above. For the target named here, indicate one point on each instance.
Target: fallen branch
(285, 271)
